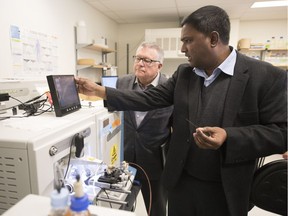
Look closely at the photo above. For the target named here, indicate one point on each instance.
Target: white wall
(261, 31)
(53, 17)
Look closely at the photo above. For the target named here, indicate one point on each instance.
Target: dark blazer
(254, 117)
(142, 145)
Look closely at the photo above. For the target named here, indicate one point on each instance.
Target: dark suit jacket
(142, 145)
(254, 117)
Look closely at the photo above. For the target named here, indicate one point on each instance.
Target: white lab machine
(31, 147)
(23, 90)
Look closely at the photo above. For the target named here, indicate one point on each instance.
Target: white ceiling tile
(139, 11)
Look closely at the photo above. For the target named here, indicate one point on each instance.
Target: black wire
(16, 99)
(41, 109)
(36, 113)
(71, 145)
(107, 196)
(33, 99)
(135, 197)
(96, 197)
(12, 106)
(149, 185)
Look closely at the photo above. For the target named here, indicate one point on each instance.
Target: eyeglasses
(146, 61)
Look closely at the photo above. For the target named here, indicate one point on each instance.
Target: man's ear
(214, 38)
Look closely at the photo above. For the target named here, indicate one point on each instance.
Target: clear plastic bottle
(273, 44)
(281, 44)
(59, 202)
(268, 44)
(79, 201)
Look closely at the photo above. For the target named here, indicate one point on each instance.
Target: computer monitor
(64, 94)
(109, 81)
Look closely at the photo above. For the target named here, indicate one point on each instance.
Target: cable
(70, 153)
(107, 196)
(33, 108)
(96, 197)
(149, 184)
(135, 197)
(36, 112)
(22, 103)
(42, 107)
(43, 111)
(12, 106)
(16, 99)
(94, 181)
(35, 98)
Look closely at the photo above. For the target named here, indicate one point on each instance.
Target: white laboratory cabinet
(26, 144)
(167, 38)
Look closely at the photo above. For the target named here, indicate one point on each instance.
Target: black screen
(64, 94)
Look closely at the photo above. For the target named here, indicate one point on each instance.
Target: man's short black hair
(208, 19)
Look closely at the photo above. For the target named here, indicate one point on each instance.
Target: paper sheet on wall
(33, 53)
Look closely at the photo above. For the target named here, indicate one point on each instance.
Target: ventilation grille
(13, 185)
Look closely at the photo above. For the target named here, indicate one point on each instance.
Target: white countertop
(35, 205)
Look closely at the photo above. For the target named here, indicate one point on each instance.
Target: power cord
(135, 197)
(30, 108)
(149, 185)
(70, 153)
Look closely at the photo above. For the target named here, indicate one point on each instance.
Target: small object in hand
(194, 125)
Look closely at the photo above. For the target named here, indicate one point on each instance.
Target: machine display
(64, 94)
(109, 81)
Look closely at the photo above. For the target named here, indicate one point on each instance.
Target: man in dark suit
(146, 132)
(229, 110)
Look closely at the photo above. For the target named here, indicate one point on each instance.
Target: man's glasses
(146, 61)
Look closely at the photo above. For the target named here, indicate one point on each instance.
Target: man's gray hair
(153, 45)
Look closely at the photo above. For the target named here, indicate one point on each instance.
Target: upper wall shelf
(276, 56)
(95, 47)
(253, 49)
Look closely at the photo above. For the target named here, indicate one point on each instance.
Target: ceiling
(146, 11)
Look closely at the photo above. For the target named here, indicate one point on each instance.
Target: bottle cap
(79, 204)
(59, 198)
